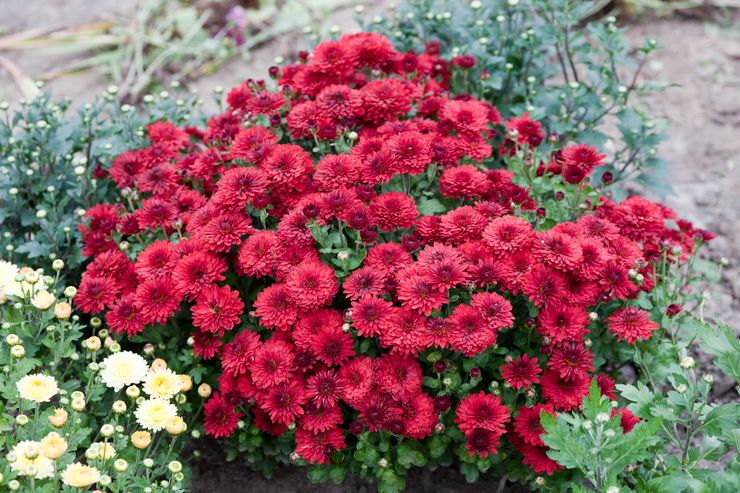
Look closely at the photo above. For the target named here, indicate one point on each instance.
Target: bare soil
(703, 150)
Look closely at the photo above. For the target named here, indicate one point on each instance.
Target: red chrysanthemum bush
(376, 273)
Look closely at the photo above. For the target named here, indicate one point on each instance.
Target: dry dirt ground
(703, 150)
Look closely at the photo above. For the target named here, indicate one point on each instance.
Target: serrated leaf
(720, 418)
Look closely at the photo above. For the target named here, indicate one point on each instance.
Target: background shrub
(52, 159)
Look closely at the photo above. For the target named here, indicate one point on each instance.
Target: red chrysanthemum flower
(224, 231)
(217, 309)
(337, 170)
(508, 234)
(528, 131)
(482, 411)
(263, 423)
(332, 346)
(468, 118)
(156, 213)
(310, 323)
(125, 168)
(630, 324)
(256, 254)
(482, 442)
(565, 395)
(96, 294)
(627, 420)
(317, 447)
(412, 151)
(283, 402)
(287, 164)
(561, 323)
(157, 300)
(238, 186)
(239, 353)
(615, 281)
(379, 167)
(156, 260)
(537, 458)
(206, 344)
(399, 375)
(316, 419)
(311, 285)
(272, 364)
(325, 388)
(387, 258)
(275, 307)
(606, 385)
(528, 426)
(219, 420)
(571, 360)
(418, 415)
(383, 99)
(496, 309)
(196, 271)
(359, 378)
(369, 314)
(253, 144)
(394, 210)
(462, 224)
(401, 329)
(463, 182)
(125, 317)
(522, 372)
(556, 250)
(378, 411)
(339, 102)
(469, 332)
(543, 285)
(364, 282)
(418, 292)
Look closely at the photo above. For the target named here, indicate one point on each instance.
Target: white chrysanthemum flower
(79, 475)
(122, 369)
(37, 387)
(28, 460)
(8, 285)
(154, 414)
(162, 383)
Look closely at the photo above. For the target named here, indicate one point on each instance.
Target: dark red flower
(522, 372)
(219, 420)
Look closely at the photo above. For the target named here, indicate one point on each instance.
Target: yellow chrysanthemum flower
(37, 387)
(79, 475)
(43, 300)
(154, 414)
(53, 445)
(162, 383)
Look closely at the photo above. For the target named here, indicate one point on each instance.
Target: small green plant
(52, 161)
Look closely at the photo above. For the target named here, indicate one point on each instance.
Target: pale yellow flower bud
(62, 310)
(141, 439)
(204, 390)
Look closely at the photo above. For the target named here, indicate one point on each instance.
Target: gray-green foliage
(578, 78)
(48, 160)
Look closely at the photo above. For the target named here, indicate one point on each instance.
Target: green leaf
(430, 207)
(640, 396)
(634, 446)
(721, 418)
